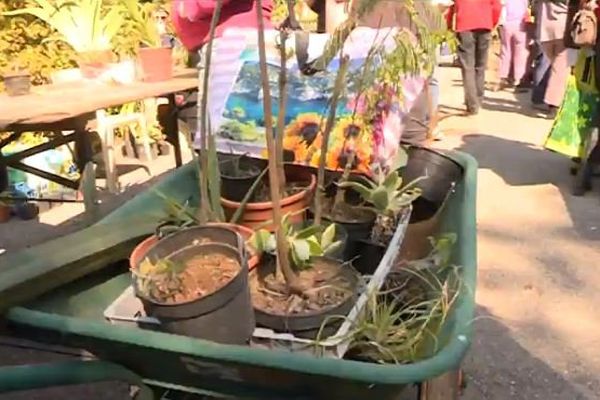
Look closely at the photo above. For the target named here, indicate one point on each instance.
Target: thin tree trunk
(337, 91)
(205, 210)
(281, 114)
(283, 261)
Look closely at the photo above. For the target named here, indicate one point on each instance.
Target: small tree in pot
(155, 59)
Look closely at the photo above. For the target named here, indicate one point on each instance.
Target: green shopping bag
(578, 112)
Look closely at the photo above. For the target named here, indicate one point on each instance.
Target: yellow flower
(306, 127)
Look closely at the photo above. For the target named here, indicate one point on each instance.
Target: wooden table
(71, 107)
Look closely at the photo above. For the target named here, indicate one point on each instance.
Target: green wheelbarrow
(56, 293)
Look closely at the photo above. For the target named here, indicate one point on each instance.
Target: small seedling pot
(5, 213)
(368, 256)
(236, 187)
(164, 148)
(17, 84)
(223, 316)
(27, 211)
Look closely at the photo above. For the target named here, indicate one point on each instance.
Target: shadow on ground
(520, 376)
(536, 167)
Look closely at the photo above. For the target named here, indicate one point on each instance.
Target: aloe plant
(86, 25)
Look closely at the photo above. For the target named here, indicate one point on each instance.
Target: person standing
(513, 53)
(552, 23)
(473, 21)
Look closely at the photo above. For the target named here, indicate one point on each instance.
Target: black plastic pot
(27, 211)
(17, 84)
(308, 325)
(442, 173)
(356, 231)
(235, 187)
(225, 316)
(368, 256)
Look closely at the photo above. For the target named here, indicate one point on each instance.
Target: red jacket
(469, 15)
(191, 18)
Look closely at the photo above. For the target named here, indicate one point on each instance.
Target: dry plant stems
(204, 195)
(283, 262)
(337, 91)
(282, 106)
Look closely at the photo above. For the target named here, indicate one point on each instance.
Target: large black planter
(309, 325)
(224, 316)
(235, 187)
(442, 173)
(368, 256)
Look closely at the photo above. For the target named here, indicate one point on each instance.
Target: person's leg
(466, 57)
(482, 46)
(505, 53)
(540, 76)
(559, 72)
(520, 55)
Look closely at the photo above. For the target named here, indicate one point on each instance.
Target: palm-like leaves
(143, 23)
(386, 193)
(80, 23)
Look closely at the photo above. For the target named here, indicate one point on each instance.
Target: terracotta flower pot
(156, 63)
(139, 252)
(92, 64)
(256, 214)
(5, 212)
(17, 84)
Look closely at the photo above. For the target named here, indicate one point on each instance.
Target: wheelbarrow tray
(72, 315)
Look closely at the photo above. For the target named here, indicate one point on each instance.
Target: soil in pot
(238, 174)
(5, 212)
(156, 63)
(368, 256)
(208, 298)
(333, 291)
(17, 84)
(300, 187)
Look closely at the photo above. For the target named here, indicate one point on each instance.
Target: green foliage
(142, 22)
(24, 44)
(86, 25)
(160, 280)
(303, 244)
(385, 192)
(404, 323)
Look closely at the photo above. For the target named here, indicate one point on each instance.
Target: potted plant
(17, 81)
(86, 25)
(238, 174)
(198, 290)
(27, 211)
(155, 59)
(388, 198)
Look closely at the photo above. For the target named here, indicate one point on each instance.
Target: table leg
(83, 145)
(172, 129)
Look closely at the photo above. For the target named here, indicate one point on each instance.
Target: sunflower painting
(303, 136)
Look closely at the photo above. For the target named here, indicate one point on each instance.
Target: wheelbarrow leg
(445, 387)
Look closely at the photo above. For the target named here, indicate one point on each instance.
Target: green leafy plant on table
(85, 25)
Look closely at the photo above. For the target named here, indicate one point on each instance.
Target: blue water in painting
(253, 108)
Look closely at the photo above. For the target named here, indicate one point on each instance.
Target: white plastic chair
(106, 125)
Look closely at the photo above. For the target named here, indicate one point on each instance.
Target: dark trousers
(541, 73)
(473, 55)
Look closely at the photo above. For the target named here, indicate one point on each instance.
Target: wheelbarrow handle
(39, 376)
